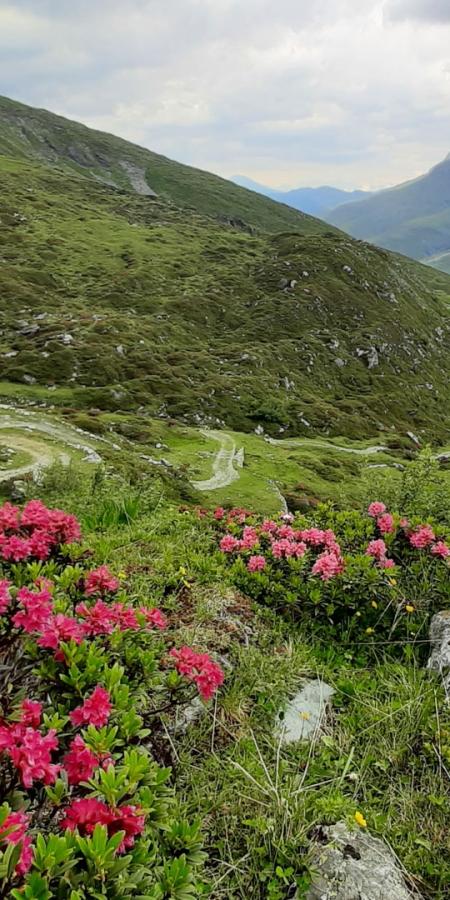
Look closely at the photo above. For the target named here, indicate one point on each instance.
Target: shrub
(87, 810)
(365, 578)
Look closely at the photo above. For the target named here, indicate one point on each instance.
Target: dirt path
(311, 443)
(223, 465)
(42, 452)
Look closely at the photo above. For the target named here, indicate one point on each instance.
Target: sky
(290, 93)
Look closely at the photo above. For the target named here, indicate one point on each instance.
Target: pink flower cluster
(35, 532)
(13, 831)
(100, 581)
(95, 710)
(200, 668)
(80, 762)
(285, 542)
(103, 619)
(84, 815)
(28, 748)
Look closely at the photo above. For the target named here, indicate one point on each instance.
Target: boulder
(354, 866)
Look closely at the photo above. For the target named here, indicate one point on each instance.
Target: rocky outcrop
(439, 660)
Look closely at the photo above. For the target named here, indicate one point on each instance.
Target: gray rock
(305, 713)
(355, 866)
(29, 379)
(283, 283)
(439, 660)
(372, 358)
(29, 330)
(339, 362)
(166, 463)
(18, 491)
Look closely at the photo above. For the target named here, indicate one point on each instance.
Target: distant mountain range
(313, 201)
(412, 218)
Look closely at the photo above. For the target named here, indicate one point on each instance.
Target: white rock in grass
(355, 866)
(305, 713)
(439, 660)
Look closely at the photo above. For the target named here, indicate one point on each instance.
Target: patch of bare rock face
(354, 866)
(137, 179)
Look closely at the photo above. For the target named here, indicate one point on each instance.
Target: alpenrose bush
(365, 577)
(85, 809)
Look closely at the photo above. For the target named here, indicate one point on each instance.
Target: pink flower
(376, 509)
(30, 713)
(9, 517)
(35, 515)
(256, 563)
(98, 618)
(404, 523)
(313, 536)
(284, 548)
(422, 537)
(96, 710)
(36, 612)
(13, 831)
(328, 565)
(228, 543)
(100, 580)
(80, 762)
(124, 617)
(154, 617)
(32, 755)
(60, 628)
(5, 596)
(377, 549)
(286, 531)
(268, 525)
(300, 549)
(219, 512)
(15, 549)
(64, 528)
(440, 549)
(40, 545)
(84, 815)
(249, 538)
(287, 517)
(329, 538)
(200, 668)
(385, 563)
(386, 524)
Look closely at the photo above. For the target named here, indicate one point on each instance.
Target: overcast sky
(353, 93)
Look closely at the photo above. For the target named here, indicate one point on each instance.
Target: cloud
(340, 91)
(425, 10)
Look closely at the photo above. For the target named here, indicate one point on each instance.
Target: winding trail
(223, 465)
(40, 451)
(311, 443)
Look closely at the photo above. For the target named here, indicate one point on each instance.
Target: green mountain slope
(117, 301)
(413, 218)
(38, 135)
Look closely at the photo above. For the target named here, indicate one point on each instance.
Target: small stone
(18, 491)
(305, 713)
(439, 660)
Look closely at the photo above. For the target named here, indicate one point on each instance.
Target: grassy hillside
(38, 135)
(117, 301)
(413, 218)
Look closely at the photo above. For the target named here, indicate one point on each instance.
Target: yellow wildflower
(375, 605)
(360, 820)
(305, 715)
(182, 570)
(393, 580)
(186, 584)
(369, 630)
(357, 614)
(122, 576)
(409, 609)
